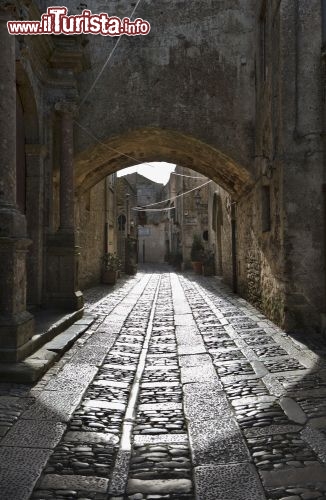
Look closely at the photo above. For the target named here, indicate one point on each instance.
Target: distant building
(149, 226)
(189, 215)
(126, 218)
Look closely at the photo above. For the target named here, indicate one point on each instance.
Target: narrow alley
(178, 390)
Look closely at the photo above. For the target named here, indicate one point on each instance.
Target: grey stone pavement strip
(19, 470)
(228, 482)
(229, 408)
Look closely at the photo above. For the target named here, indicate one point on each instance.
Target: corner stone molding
(39, 150)
(8, 10)
(66, 108)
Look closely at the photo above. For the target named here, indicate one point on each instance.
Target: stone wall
(259, 259)
(289, 160)
(219, 227)
(92, 219)
(151, 244)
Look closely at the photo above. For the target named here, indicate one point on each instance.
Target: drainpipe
(234, 247)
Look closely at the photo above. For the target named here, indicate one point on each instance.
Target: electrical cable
(138, 209)
(174, 197)
(106, 62)
(189, 176)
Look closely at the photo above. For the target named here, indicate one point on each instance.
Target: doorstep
(55, 333)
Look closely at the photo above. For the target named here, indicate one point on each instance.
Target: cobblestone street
(178, 390)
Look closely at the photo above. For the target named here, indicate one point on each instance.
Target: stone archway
(154, 144)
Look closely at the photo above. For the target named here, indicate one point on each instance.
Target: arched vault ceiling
(152, 144)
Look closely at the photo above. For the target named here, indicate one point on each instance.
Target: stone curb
(61, 335)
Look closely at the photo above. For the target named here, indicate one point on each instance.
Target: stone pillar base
(15, 335)
(62, 272)
(65, 301)
(16, 324)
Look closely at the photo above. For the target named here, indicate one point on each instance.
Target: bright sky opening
(157, 171)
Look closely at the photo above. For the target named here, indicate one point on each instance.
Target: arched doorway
(30, 181)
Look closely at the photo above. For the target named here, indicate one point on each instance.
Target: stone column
(62, 247)
(35, 154)
(16, 324)
(67, 190)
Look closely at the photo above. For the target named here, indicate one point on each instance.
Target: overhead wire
(138, 209)
(189, 176)
(173, 197)
(106, 62)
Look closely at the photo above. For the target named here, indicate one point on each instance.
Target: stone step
(61, 335)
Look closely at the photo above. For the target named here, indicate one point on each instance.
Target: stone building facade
(126, 198)
(189, 214)
(148, 226)
(98, 229)
(233, 90)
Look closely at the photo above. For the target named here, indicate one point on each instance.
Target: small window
(121, 222)
(266, 209)
(205, 235)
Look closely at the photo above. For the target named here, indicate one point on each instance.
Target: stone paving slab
(228, 482)
(126, 367)
(90, 437)
(198, 348)
(160, 406)
(316, 440)
(187, 335)
(200, 374)
(72, 378)
(34, 434)
(64, 340)
(204, 402)
(159, 486)
(120, 473)
(141, 439)
(92, 354)
(271, 429)
(293, 410)
(194, 360)
(213, 442)
(97, 403)
(152, 385)
(184, 320)
(318, 423)
(253, 399)
(50, 405)
(19, 470)
(87, 483)
(288, 477)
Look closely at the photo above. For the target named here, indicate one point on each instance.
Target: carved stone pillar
(35, 154)
(62, 247)
(16, 324)
(67, 189)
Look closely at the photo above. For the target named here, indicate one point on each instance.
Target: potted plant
(111, 267)
(209, 263)
(197, 254)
